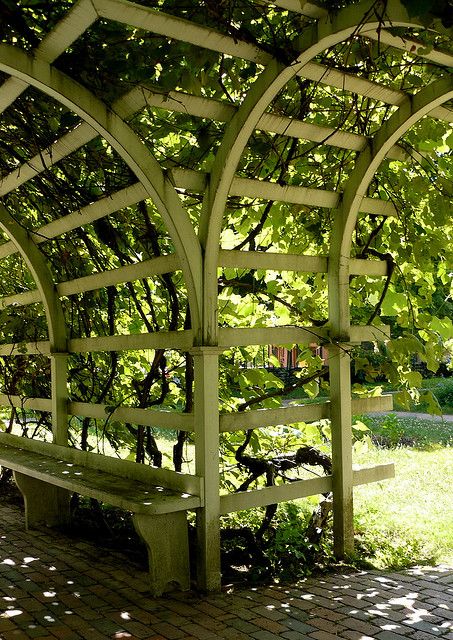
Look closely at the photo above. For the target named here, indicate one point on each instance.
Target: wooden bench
(47, 475)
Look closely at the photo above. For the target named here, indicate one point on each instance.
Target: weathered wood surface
(125, 493)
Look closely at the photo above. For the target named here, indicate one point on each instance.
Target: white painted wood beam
(37, 404)
(294, 262)
(196, 181)
(170, 263)
(366, 475)
(128, 273)
(414, 47)
(132, 151)
(38, 268)
(294, 413)
(86, 215)
(260, 418)
(351, 83)
(299, 489)
(40, 347)
(207, 463)
(220, 111)
(178, 29)
(148, 417)
(244, 336)
(305, 8)
(270, 495)
(46, 158)
(76, 21)
(363, 87)
(21, 299)
(182, 340)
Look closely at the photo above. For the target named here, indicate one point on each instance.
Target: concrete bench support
(48, 474)
(45, 504)
(167, 541)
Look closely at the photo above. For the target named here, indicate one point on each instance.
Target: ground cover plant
(398, 523)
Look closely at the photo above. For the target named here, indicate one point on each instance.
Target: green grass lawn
(409, 520)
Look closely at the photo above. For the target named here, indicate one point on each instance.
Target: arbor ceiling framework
(187, 133)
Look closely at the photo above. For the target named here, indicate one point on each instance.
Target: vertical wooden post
(59, 375)
(340, 393)
(340, 398)
(206, 414)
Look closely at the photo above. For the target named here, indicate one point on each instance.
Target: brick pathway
(55, 587)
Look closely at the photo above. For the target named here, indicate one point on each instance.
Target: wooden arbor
(198, 245)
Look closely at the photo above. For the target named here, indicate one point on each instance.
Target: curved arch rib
(412, 110)
(38, 268)
(323, 35)
(41, 75)
(35, 262)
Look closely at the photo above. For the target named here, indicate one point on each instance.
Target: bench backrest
(167, 478)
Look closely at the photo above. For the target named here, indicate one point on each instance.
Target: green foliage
(421, 433)
(289, 552)
(110, 59)
(387, 548)
(443, 391)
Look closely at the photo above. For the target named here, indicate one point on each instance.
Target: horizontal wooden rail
(37, 404)
(196, 181)
(128, 273)
(183, 340)
(294, 262)
(240, 421)
(171, 263)
(149, 417)
(41, 347)
(294, 413)
(243, 336)
(298, 489)
(133, 342)
(229, 422)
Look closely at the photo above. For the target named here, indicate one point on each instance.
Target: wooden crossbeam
(148, 417)
(304, 7)
(128, 273)
(178, 29)
(412, 46)
(299, 489)
(293, 413)
(293, 262)
(171, 263)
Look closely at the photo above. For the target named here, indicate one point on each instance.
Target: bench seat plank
(124, 493)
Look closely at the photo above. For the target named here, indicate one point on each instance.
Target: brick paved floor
(55, 587)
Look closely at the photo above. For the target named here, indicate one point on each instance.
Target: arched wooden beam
(411, 111)
(39, 74)
(35, 262)
(324, 34)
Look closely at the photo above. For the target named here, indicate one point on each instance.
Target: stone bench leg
(166, 537)
(44, 503)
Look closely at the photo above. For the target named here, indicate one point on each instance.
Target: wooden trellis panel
(197, 249)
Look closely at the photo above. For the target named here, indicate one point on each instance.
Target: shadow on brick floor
(53, 586)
